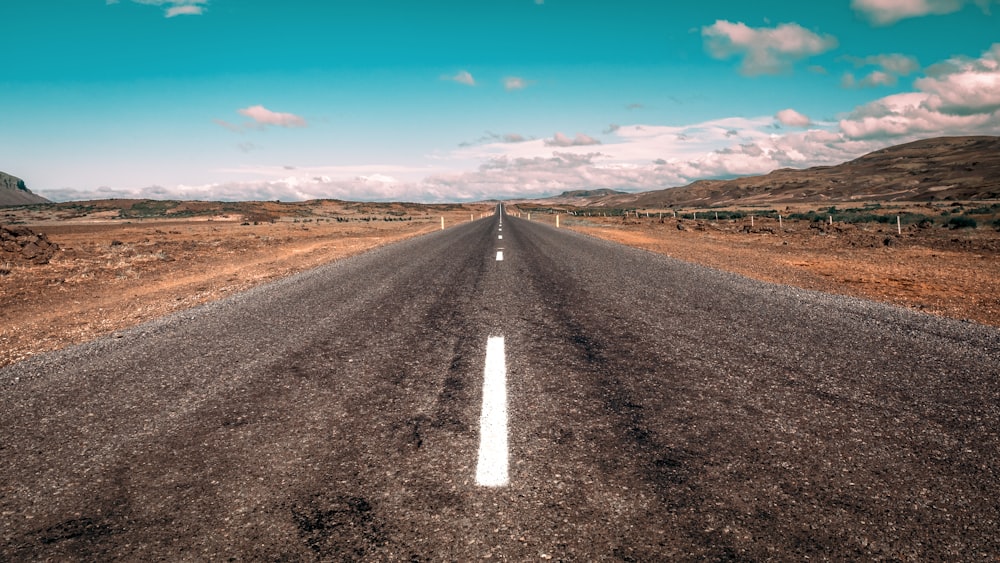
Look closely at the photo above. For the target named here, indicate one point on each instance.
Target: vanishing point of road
(506, 390)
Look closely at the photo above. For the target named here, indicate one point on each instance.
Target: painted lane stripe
(499, 237)
(491, 471)
(499, 255)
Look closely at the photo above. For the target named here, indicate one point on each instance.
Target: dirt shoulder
(954, 273)
(108, 275)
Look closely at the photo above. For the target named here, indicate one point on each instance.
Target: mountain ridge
(934, 169)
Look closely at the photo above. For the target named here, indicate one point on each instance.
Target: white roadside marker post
(899, 226)
(557, 221)
(442, 222)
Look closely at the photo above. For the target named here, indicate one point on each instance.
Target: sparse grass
(984, 210)
(859, 215)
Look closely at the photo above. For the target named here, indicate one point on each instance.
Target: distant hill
(590, 193)
(583, 197)
(942, 168)
(14, 192)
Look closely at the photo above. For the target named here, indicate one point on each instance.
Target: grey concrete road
(655, 410)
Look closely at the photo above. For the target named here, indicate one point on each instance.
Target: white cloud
(561, 140)
(174, 8)
(264, 116)
(878, 78)
(889, 68)
(491, 137)
(873, 79)
(765, 50)
(887, 12)
(185, 10)
(896, 63)
(463, 77)
(514, 83)
(792, 118)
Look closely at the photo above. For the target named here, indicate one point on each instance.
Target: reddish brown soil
(110, 274)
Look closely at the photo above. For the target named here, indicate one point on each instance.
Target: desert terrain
(85, 269)
(114, 264)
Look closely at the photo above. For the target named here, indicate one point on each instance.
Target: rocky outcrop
(13, 191)
(23, 244)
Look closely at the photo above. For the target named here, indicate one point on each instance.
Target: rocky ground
(70, 275)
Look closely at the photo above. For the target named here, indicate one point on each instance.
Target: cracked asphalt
(657, 411)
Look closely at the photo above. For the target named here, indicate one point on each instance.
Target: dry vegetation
(120, 263)
(938, 264)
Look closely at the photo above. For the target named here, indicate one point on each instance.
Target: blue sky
(459, 100)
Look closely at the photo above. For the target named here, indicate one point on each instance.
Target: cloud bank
(959, 96)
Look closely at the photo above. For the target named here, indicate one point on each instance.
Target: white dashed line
(499, 237)
(499, 255)
(491, 471)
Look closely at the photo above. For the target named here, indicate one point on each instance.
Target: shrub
(961, 222)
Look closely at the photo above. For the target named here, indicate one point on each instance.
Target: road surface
(506, 390)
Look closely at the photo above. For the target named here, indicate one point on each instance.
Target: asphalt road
(655, 410)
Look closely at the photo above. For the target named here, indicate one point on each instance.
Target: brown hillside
(939, 169)
(14, 192)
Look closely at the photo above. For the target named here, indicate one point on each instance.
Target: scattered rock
(22, 244)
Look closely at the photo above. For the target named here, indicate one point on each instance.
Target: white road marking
(499, 237)
(499, 255)
(491, 471)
